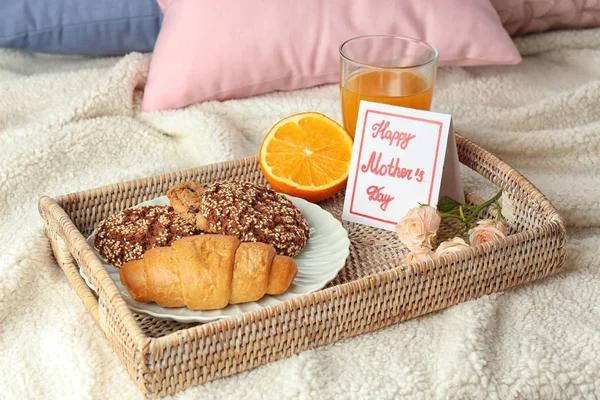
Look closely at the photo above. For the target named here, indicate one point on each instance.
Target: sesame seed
(254, 214)
(128, 234)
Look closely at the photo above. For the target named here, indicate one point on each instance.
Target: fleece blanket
(69, 123)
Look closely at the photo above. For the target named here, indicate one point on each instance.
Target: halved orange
(306, 155)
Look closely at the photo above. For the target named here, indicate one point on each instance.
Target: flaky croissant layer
(207, 272)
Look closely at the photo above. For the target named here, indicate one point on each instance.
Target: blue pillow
(99, 27)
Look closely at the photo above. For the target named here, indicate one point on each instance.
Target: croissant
(207, 272)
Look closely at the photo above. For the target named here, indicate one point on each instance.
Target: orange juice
(398, 88)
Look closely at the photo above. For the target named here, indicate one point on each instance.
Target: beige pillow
(526, 16)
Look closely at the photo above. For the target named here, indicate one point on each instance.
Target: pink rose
(486, 230)
(419, 227)
(417, 254)
(451, 246)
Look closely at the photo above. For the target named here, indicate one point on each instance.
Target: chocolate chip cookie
(185, 199)
(247, 211)
(126, 235)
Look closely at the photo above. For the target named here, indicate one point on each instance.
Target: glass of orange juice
(388, 69)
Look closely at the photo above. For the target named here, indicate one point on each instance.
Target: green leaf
(446, 204)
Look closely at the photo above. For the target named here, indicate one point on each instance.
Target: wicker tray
(371, 292)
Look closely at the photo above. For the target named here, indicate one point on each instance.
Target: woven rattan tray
(371, 292)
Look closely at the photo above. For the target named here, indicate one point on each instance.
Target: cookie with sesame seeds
(252, 213)
(126, 235)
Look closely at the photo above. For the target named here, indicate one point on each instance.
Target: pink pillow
(526, 16)
(217, 50)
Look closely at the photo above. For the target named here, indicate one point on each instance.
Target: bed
(541, 340)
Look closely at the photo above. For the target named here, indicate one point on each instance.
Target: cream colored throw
(68, 124)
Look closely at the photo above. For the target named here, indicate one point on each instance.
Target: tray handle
(69, 247)
(69, 266)
(50, 212)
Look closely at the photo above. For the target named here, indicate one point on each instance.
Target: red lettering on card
(395, 138)
(392, 168)
(376, 194)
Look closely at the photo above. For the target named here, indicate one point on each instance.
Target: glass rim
(433, 59)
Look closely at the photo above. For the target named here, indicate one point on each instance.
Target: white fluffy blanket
(68, 124)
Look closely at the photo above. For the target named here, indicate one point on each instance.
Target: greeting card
(401, 158)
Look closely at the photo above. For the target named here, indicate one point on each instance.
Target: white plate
(318, 263)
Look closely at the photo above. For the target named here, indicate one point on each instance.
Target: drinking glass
(388, 69)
